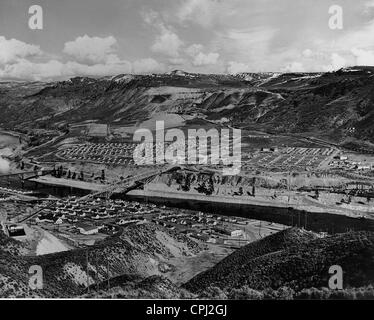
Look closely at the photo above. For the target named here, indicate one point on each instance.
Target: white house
(236, 233)
(59, 221)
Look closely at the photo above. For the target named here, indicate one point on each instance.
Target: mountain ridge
(337, 105)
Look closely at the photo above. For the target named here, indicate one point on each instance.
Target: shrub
(245, 293)
(214, 293)
(283, 293)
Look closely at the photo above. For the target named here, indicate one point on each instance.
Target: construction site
(83, 192)
(92, 190)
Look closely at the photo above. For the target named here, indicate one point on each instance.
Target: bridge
(125, 185)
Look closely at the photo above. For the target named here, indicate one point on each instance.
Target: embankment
(314, 221)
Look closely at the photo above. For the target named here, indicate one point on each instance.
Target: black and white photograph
(186, 151)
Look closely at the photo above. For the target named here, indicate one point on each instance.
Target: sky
(100, 38)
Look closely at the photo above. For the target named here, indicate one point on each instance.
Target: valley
(74, 199)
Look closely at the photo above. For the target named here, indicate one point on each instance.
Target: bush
(283, 293)
(214, 293)
(366, 293)
(245, 293)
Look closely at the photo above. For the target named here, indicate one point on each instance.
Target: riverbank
(279, 213)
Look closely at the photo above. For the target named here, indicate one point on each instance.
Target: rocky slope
(293, 258)
(290, 264)
(141, 251)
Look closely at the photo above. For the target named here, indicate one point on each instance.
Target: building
(341, 157)
(59, 221)
(87, 229)
(98, 130)
(363, 167)
(16, 231)
(236, 233)
(212, 240)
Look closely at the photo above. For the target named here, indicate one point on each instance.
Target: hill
(153, 287)
(148, 253)
(295, 259)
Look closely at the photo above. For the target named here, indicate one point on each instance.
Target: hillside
(290, 264)
(11, 246)
(293, 258)
(153, 287)
(148, 253)
(335, 105)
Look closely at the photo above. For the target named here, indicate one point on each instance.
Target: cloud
(199, 58)
(13, 50)
(249, 46)
(53, 69)
(167, 42)
(75, 68)
(93, 56)
(202, 12)
(234, 67)
(194, 49)
(294, 67)
(203, 59)
(307, 53)
(310, 61)
(92, 50)
(16, 61)
(368, 10)
(269, 35)
(150, 16)
(27, 70)
(337, 61)
(177, 61)
(363, 57)
(148, 65)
